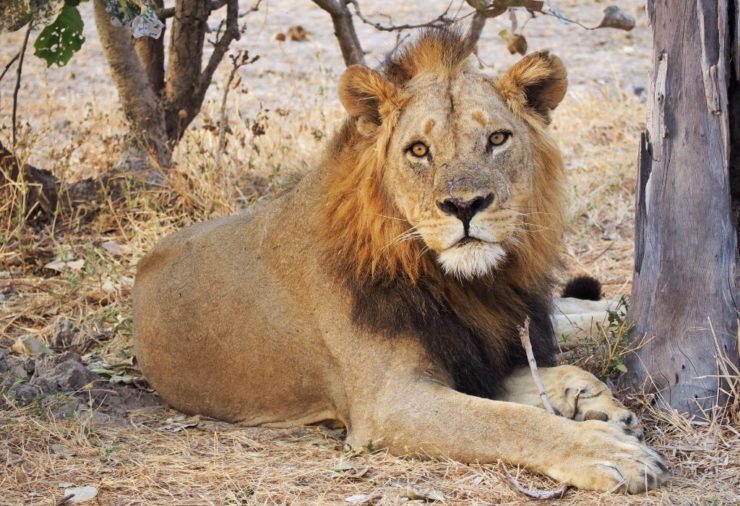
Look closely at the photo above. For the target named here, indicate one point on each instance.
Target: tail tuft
(583, 287)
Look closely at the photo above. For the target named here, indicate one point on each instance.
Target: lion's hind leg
(574, 393)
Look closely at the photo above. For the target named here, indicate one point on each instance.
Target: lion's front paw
(605, 458)
(596, 402)
(587, 398)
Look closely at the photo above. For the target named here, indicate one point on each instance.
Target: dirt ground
(74, 411)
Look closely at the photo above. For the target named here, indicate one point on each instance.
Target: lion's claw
(608, 459)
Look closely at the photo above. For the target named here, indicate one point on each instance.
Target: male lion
(385, 291)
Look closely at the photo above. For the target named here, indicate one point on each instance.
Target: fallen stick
(534, 493)
(527, 344)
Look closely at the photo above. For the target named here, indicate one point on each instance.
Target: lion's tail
(583, 287)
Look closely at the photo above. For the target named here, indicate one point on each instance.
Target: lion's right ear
(366, 94)
(537, 83)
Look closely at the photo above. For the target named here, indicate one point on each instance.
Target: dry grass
(135, 461)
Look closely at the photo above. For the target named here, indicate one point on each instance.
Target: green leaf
(621, 367)
(60, 40)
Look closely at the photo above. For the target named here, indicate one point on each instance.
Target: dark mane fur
(472, 356)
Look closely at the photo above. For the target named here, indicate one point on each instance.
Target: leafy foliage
(15, 14)
(61, 39)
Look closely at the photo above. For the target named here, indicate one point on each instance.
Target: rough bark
(684, 293)
(185, 55)
(147, 135)
(151, 56)
(186, 85)
(344, 30)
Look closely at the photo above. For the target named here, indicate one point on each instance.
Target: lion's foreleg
(573, 393)
(421, 417)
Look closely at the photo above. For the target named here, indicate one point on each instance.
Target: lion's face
(457, 168)
(460, 154)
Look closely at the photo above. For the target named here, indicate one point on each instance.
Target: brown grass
(134, 461)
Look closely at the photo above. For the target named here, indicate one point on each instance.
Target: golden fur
(384, 292)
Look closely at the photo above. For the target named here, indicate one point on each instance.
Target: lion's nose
(464, 210)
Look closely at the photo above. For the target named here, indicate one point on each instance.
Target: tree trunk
(186, 54)
(684, 293)
(147, 136)
(151, 56)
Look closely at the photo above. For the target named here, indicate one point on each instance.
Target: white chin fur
(471, 260)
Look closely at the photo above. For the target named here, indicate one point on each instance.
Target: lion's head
(455, 167)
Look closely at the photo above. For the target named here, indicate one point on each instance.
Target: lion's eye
(419, 149)
(498, 138)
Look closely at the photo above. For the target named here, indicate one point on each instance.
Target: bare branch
(527, 344)
(10, 64)
(441, 20)
(254, 8)
(168, 12)
(344, 30)
(239, 60)
(231, 34)
(19, 73)
(474, 30)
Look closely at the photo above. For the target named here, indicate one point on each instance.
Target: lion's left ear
(538, 82)
(366, 95)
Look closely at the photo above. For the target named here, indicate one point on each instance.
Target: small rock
(29, 346)
(80, 494)
(64, 334)
(363, 498)
(61, 265)
(64, 373)
(114, 248)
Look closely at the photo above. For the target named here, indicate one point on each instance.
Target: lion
(384, 293)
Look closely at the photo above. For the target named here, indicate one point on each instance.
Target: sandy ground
(297, 75)
(109, 432)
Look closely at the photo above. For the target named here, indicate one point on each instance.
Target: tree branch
(19, 73)
(168, 12)
(441, 20)
(219, 49)
(9, 64)
(475, 29)
(237, 61)
(344, 30)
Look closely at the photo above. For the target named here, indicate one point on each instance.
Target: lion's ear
(366, 94)
(538, 82)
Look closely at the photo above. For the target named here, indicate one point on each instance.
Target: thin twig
(441, 20)
(19, 72)
(10, 64)
(534, 493)
(221, 45)
(237, 61)
(527, 344)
